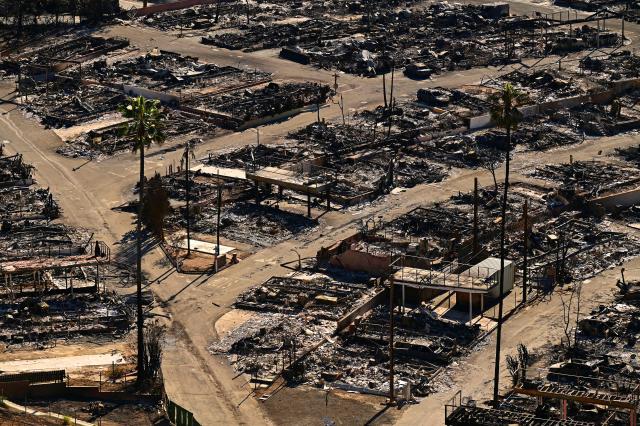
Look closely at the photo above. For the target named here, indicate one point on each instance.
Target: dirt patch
(85, 348)
(308, 406)
(231, 320)
(109, 413)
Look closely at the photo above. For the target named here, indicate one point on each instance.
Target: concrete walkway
(61, 363)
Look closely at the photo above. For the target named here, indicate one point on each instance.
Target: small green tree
(145, 125)
(524, 358)
(514, 369)
(153, 342)
(156, 206)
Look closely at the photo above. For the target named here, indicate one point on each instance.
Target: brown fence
(56, 376)
(177, 415)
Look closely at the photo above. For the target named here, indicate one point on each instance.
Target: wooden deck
(438, 280)
(44, 263)
(287, 179)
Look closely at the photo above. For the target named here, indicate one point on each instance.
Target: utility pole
(624, 15)
(391, 103)
(392, 397)
(19, 87)
(578, 291)
(525, 266)
(384, 89)
(218, 218)
(328, 197)
(476, 243)
(186, 162)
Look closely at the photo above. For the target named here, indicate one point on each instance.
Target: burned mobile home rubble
(200, 99)
(611, 8)
(253, 105)
(440, 37)
(319, 330)
(332, 164)
(47, 59)
(589, 379)
(181, 127)
(227, 14)
(224, 14)
(66, 103)
(54, 277)
(591, 177)
(225, 214)
(168, 72)
(444, 277)
(571, 235)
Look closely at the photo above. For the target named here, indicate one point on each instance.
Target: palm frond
(146, 122)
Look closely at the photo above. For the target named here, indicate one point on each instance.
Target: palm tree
(145, 126)
(504, 113)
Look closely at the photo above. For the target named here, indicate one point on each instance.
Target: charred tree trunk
(218, 4)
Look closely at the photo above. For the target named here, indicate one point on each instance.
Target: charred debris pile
(54, 276)
(589, 379)
(444, 231)
(180, 128)
(299, 333)
(45, 59)
(66, 103)
(23, 206)
(270, 100)
(232, 14)
(199, 98)
(424, 41)
(357, 164)
(599, 5)
(223, 14)
(617, 66)
(170, 72)
(570, 235)
(318, 296)
(231, 205)
(592, 177)
(241, 221)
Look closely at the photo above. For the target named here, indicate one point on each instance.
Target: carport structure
(36, 275)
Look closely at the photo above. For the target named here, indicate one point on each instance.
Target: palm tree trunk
(141, 372)
(188, 154)
(496, 379)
